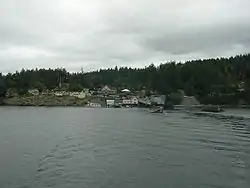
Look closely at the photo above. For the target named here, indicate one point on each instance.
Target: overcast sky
(97, 34)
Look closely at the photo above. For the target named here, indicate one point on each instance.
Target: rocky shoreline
(48, 101)
(53, 101)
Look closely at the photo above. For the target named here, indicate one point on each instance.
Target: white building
(60, 93)
(134, 100)
(110, 102)
(79, 95)
(126, 101)
(34, 92)
(73, 94)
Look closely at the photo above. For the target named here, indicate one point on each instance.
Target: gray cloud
(203, 40)
(99, 34)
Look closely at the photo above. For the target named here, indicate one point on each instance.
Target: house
(60, 93)
(108, 91)
(87, 92)
(34, 92)
(46, 92)
(73, 94)
(134, 100)
(130, 101)
(105, 89)
(79, 95)
(126, 102)
(110, 102)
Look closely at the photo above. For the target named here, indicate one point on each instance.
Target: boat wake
(221, 116)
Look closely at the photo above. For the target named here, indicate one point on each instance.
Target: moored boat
(211, 108)
(156, 109)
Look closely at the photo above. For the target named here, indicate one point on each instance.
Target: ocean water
(125, 148)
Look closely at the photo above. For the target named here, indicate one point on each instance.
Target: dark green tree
(75, 87)
(176, 98)
(39, 85)
(3, 88)
(210, 80)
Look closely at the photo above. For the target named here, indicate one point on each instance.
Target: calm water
(122, 148)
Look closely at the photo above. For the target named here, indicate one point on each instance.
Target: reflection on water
(75, 147)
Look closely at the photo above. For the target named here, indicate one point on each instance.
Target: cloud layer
(99, 34)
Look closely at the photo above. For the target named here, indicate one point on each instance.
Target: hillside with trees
(212, 81)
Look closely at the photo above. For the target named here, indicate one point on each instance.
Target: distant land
(224, 81)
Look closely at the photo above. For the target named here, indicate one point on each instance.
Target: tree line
(215, 81)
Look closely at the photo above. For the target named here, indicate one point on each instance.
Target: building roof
(125, 90)
(106, 88)
(110, 100)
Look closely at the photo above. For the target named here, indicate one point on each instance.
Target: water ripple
(133, 148)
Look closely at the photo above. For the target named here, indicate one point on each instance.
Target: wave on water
(221, 116)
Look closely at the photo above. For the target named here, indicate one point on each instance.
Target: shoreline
(42, 105)
(86, 106)
(67, 101)
(44, 101)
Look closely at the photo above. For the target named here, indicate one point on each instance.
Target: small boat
(94, 105)
(156, 109)
(211, 108)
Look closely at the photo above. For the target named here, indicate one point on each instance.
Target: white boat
(94, 105)
(156, 109)
(212, 108)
